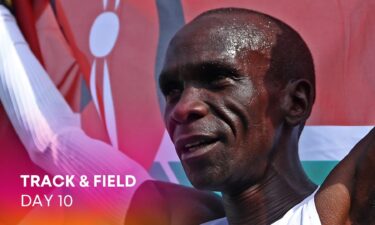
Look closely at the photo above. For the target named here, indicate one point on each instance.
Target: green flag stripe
(318, 170)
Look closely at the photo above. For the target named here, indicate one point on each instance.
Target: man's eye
(221, 78)
(220, 81)
(173, 94)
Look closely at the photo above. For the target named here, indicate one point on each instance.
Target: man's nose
(190, 106)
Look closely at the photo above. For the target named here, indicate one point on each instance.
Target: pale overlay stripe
(321, 143)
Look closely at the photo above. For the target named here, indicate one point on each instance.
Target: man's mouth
(194, 146)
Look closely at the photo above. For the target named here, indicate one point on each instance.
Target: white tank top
(302, 214)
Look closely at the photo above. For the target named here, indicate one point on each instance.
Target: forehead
(227, 39)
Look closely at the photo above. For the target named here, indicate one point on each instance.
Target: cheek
(237, 110)
(261, 130)
(168, 121)
(260, 142)
(257, 138)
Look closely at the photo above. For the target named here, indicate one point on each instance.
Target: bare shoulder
(160, 203)
(363, 200)
(347, 196)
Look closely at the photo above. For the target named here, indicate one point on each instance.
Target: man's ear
(298, 101)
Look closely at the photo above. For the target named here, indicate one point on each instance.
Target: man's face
(217, 107)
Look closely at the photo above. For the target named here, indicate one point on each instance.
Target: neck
(283, 186)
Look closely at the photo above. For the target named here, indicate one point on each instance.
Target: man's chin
(207, 183)
(206, 174)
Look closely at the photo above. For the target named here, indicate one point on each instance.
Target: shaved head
(289, 56)
(240, 31)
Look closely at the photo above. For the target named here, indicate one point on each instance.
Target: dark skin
(347, 196)
(237, 132)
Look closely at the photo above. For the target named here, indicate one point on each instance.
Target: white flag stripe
(94, 96)
(109, 109)
(329, 142)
